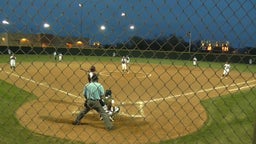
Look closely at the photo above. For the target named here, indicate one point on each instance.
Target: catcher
(109, 106)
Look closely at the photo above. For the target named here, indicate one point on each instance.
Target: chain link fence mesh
(189, 76)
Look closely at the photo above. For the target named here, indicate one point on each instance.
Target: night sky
(219, 20)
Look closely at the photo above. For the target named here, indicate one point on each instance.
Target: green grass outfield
(202, 64)
(231, 118)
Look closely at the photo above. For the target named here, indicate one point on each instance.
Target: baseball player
(91, 72)
(194, 61)
(60, 57)
(13, 62)
(226, 70)
(55, 55)
(127, 61)
(124, 64)
(109, 105)
(250, 61)
(9, 51)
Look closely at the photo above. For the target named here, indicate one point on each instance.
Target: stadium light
(46, 25)
(5, 22)
(123, 14)
(132, 27)
(102, 27)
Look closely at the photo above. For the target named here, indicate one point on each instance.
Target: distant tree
(173, 40)
(138, 43)
(252, 51)
(164, 43)
(180, 47)
(120, 46)
(155, 45)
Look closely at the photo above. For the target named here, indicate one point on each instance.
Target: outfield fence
(173, 89)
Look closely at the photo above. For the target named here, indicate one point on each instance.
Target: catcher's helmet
(108, 93)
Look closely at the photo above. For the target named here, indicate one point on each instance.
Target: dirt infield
(157, 102)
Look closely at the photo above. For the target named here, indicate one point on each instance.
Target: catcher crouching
(109, 106)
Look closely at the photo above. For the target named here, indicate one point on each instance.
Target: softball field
(158, 102)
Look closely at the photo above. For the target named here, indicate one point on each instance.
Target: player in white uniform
(127, 62)
(13, 62)
(91, 72)
(55, 55)
(124, 64)
(194, 61)
(226, 70)
(60, 57)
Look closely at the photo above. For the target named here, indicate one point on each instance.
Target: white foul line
(197, 92)
(42, 84)
(142, 103)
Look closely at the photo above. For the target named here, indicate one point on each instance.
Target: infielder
(226, 70)
(127, 61)
(13, 62)
(124, 64)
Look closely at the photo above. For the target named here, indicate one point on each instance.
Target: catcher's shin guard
(102, 102)
(116, 111)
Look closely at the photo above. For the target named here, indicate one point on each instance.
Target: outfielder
(195, 61)
(60, 57)
(55, 55)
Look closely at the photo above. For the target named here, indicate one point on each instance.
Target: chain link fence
(179, 71)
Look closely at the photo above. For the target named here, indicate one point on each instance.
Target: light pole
(189, 41)
(6, 22)
(81, 20)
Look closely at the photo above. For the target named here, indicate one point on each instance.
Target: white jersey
(227, 66)
(124, 63)
(12, 61)
(226, 69)
(194, 61)
(90, 74)
(60, 57)
(127, 60)
(124, 60)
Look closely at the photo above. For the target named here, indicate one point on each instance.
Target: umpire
(93, 93)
